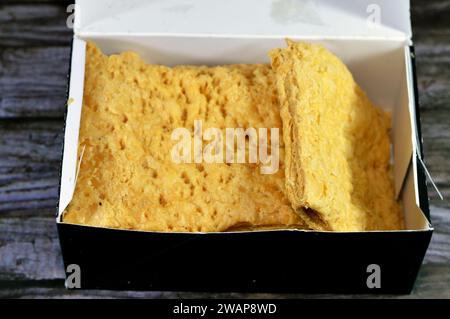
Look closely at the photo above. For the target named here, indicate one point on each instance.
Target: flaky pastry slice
(336, 144)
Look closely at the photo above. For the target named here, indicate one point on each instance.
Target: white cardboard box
(372, 37)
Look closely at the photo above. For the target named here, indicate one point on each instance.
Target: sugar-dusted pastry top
(336, 144)
(127, 178)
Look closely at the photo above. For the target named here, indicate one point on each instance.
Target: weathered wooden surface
(34, 57)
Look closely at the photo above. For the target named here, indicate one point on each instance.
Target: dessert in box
(337, 144)
(347, 202)
(127, 178)
(338, 157)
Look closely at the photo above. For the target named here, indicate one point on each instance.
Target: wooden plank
(426, 14)
(433, 70)
(431, 34)
(436, 134)
(439, 249)
(29, 165)
(33, 81)
(29, 249)
(56, 290)
(34, 25)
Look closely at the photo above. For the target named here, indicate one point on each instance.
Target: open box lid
(383, 19)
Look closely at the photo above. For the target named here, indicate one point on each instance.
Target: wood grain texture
(34, 25)
(433, 69)
(430, 14)
(34, 58)
(33, 81)
(431, 30)
(29, 163)
(22, 243)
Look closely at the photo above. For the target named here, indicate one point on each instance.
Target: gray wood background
(34, 59)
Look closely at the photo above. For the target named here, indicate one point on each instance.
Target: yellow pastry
(127, 178)
(336, 144)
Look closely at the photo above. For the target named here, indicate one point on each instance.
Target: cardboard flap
(384, 19)
(75, 101)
